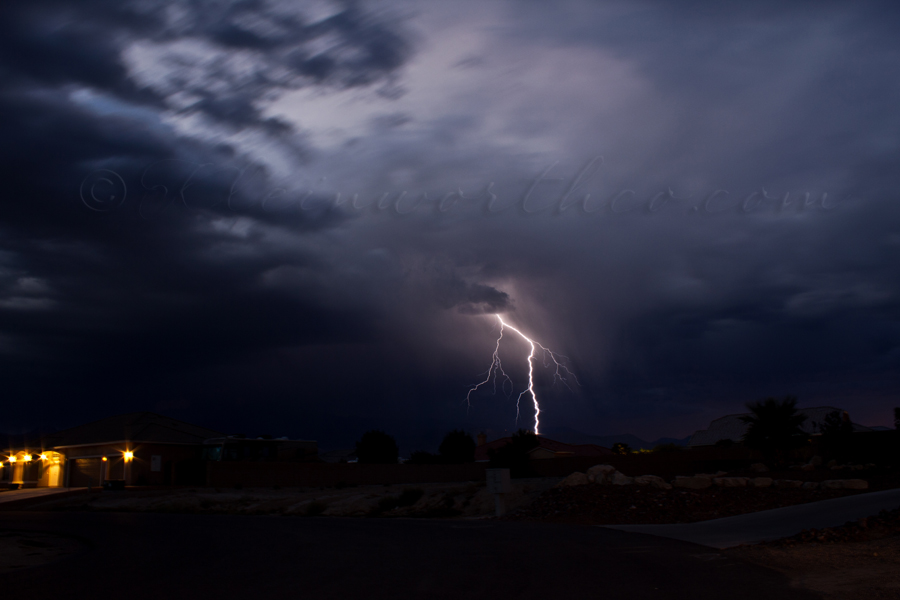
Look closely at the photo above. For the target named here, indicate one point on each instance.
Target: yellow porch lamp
(28, 458)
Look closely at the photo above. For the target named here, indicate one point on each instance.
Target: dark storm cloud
(250, 293)
(171, 280)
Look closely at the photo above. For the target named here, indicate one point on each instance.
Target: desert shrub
(621, 448)
(457, 447)
(377, 447)
(514, 455)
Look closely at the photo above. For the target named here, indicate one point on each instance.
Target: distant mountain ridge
(572, 436)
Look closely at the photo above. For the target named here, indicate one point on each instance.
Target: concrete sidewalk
(773, 524)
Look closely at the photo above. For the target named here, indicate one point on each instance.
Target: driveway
(171, 556)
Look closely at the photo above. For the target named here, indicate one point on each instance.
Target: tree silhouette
(457, 447)
(836, 432)
(621, 448)
(377, 447)
(514, 455)
(774, 427)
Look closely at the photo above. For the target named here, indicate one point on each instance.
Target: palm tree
(774, 427)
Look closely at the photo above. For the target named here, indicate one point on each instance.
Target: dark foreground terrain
(152, 556)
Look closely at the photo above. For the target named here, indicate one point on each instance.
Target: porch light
(103, 459)
(12, 459)
(129, 455)
(28, 458)
(43, 457)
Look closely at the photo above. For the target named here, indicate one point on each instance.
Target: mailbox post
(498, 483)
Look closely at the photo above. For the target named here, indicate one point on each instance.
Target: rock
(788, 483)
(712, 475)
(837, 467)
(808, 467)
(759, 468)
(653, 481)
(857, 468)
(697, 482)
(831, 463)
(810, 485)
(574, 479)
(600, 473)
(620, 479)
(845, 484)
(761, 482)
(815, 461)
(731, 481)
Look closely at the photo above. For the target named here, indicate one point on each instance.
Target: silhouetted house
(731, 427)
(136, 449)
(546, 448)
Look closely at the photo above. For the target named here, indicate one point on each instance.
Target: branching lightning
(561, 372)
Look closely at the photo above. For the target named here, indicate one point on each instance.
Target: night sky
(299, 218)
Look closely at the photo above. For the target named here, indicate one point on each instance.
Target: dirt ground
(857, 561)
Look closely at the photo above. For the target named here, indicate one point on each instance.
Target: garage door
(85, 471)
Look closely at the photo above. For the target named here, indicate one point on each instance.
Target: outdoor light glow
(103, 459)
(12, 459)
(129, 455)
(43, 457)
(496, 368)
(28, 458)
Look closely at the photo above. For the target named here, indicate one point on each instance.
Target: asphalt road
(173, 556)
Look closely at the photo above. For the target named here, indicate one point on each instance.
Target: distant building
(546, 449)
(134, 449)
(731, 427)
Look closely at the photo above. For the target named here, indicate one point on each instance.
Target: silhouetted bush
(377, 447)
(514, 455)
(621, 448)
(457, 447)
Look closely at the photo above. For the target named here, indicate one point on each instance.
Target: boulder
(815, 461)
(810, 485)
(845, 484)
(831, 463)
(788, 483)
(697, 482)
(574, 479)
(620, 479)
(601, 473)
(731, 481)
(808, 467)
(759, 468)
(761, 482)
(653, 481)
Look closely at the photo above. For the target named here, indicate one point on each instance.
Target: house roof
(731, 427)
(482, 452)
(138, 427)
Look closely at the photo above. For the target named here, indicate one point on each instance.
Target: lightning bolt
(561, 372)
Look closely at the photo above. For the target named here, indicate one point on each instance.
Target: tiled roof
(138, 427)
(730, 427)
